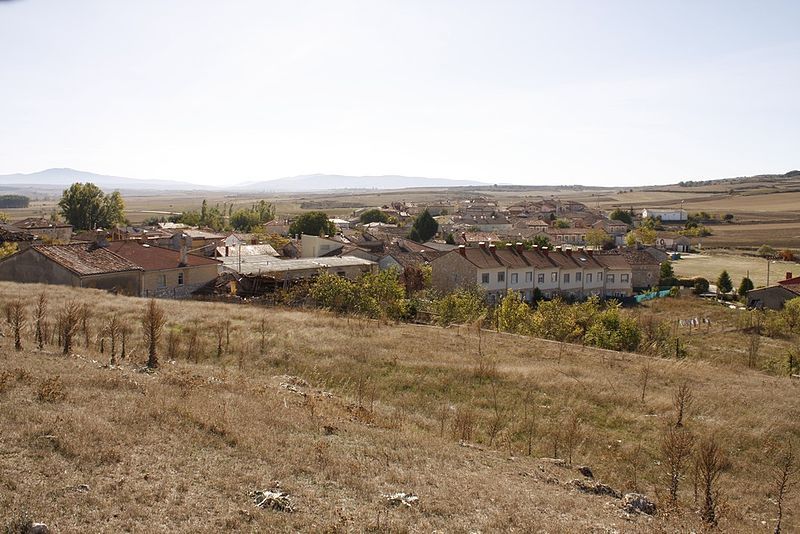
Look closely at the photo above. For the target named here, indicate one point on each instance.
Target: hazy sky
(593, 92)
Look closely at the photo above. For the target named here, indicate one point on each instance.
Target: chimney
(462, 250)
(589, 251)
(568, 251)
(558, 248)
(100, 240)
(184, 252)
(482, 245)
(535, 247)
(519, 247)
(788, 275)
(493, 249)
(545, 250)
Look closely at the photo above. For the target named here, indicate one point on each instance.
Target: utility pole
(767, 272)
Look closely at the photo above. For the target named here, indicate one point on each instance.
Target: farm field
(738, 266)
(377, 408)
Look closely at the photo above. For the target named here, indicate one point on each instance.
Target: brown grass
(341, 410)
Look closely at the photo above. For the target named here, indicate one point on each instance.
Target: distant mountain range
(61, 178)
(325, 182)
(66, 177)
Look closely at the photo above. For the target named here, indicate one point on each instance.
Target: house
(569, 273)
(666, 215)
(645, 268)
(246, 250)
(772, 297)
(567, 236)
(277, 226)
(403, 253)
(46, 230)
(318, 247)
(167, 273)
(77, 265)
(341, 224)
(199, 241)
(618, 275)
(348, 267)
(673, 241)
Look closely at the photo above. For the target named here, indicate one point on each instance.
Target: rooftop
(269, 264)
(152, 258)
(86, 259)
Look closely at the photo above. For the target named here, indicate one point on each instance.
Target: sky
(529, 92)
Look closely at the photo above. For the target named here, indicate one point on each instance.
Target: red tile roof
(86, 259)
(152, 258)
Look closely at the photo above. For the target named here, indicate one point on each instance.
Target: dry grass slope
(340, 411)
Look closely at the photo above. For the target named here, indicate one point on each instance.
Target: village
(550, 247)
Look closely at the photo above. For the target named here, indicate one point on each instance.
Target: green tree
(621, 215)
(373, 215)
(724, 283)
(3, 217)
(791, 313)
(14, 201)
(245, 220)
(513, 315)
(561, 223)
(86, 207)
(541, 241)
(424, 227)
(700, 285)
(312, 223)
(450, 239)
(666, 276)
(464, 305)
(598, 238)
(745, 286)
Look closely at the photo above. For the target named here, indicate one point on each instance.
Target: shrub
(464, 305)
(700, 285)
(513, 315)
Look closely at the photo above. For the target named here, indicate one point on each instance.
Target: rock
(638, 503)
(272, 499)
(595, 488)
(585, 471)
(555, 461)
(38, 528)
(397, 499)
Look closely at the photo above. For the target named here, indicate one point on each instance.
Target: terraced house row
(574, 273)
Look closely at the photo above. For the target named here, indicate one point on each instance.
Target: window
(529, 276)
(578, 277)
(588, 278)
(162, 280)
(599, 275)
(566, 278)
(623, 278)
(514, 278)
(501, 277)
(540, 278)
(610, 278)
(484, 278)
(554, 277)
(180, 279)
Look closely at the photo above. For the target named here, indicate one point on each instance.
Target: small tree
(39, 316)
(312, 223)
(710, 462)
(666, 274)
(621, 215)
(424, 227)
(85, 317)
(598, 238)
(682, 401)
(373, 215)
(745, 286)
(724, 283)
(766, 251)
(153, 321)
(700, 285)
(113, 330)
(784, 475)
(68, 321)
(15, 312)
(676, 448)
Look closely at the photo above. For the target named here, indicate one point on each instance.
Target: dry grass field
(738, 266)
(339, 411)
